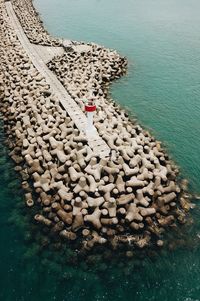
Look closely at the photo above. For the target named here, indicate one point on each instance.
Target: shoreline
(128, 198)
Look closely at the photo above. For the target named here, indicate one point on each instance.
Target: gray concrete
(48, 52)
(96, 143)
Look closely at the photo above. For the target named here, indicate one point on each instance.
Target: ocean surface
(161, 40)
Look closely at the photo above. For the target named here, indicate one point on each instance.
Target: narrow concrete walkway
(96, 143)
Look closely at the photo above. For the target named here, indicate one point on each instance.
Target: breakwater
(130, 196)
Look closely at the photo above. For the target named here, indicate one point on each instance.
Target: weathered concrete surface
(97, 144)
(48, 52)
(127, 198)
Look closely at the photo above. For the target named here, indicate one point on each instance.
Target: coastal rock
(128, 197)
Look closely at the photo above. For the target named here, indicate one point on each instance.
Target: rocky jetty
(129, 197)
(32, 24)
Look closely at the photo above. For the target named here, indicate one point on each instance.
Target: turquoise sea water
(161, 40)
